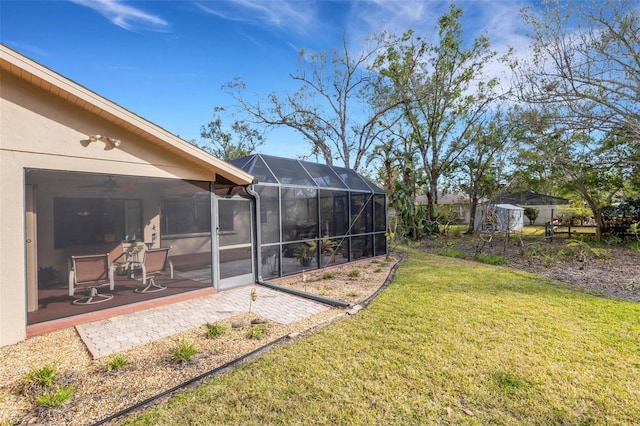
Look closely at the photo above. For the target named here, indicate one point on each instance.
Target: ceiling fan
(109, 185)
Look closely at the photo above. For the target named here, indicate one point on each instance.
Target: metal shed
(500, 218)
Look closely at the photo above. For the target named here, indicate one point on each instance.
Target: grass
(449, 342)
(450, 252)
(491, 259)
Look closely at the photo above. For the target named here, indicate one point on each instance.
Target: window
(85, 221)
(269, 213)
(299, 214)
(186, 215)
(334, 213)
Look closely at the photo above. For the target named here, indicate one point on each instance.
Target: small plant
(601, 252)
(353, 293)
(378, 269)
(328, 275)
(116, 362)
(354, 273)
(185, 352)
(305, 252)
(53, 400)
(253, 296)
(491, 259)
(44, 376)
(216, 329)
(257, 332)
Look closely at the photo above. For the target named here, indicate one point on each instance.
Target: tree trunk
(473, 207)
(598, 216)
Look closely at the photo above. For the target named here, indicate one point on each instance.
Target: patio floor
(109, 336)
(55, 303)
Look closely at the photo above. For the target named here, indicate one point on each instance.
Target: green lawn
(449, 342)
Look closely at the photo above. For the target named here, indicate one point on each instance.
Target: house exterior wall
(546, 213)
(40, 130)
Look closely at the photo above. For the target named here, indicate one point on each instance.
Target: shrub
(257, 332)
(354, 273)
(53, 400)
(531, 213)
(327, 275)
(185, 352)
(216, 329)
(116, 362)
(378, 269)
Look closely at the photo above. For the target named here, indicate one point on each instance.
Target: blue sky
(166, 60)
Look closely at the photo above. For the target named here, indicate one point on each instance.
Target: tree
(401, 178)
(240, 142)
(576, 162)
(387, 155)
(334, 108)
(443, 92)
(583, 86)
(586, 64)
(479, 162)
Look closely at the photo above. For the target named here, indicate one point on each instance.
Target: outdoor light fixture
(106, 139)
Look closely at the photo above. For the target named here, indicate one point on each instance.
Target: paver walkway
(119, 333)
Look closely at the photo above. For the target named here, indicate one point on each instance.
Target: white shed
(500, 217)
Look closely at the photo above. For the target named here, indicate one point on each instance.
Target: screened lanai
(313, 215)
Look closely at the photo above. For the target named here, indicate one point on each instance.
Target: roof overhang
(54, 83)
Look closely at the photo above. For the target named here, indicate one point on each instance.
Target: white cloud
(296, 16)
(124, 16)
(396, 17)
(497, 19)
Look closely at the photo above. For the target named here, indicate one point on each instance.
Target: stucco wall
(546, 213)
(40, 130)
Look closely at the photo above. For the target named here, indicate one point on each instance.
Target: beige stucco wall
(39, 130)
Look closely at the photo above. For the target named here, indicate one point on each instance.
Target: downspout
(256, 196)
(333, 302)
